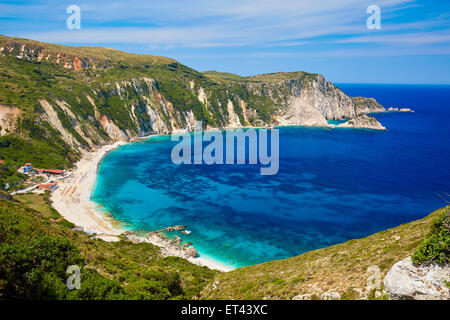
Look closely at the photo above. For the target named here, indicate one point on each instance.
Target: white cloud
(232, 23)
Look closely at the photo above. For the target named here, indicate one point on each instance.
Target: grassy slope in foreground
(35, 253)
(339, 268)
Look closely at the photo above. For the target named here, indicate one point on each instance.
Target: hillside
(341, 268)
(56, 102)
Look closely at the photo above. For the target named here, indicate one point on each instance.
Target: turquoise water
(333, 184)
(337, 122)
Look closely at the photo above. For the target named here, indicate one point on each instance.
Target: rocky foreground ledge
(362, 121)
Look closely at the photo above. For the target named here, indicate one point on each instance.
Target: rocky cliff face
(406, 281)
(95, 96)
(143, 108)
(39, 53)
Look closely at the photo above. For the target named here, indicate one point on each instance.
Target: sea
(333, 185)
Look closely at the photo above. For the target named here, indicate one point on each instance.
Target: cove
(332, 185)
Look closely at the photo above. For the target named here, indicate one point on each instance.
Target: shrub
(437, 246)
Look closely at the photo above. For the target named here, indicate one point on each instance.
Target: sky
(249, 37)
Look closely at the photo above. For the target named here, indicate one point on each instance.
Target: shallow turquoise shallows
(333, 184)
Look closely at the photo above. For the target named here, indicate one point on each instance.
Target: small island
(400, 109)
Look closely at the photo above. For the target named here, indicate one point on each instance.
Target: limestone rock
(192, 252)
(406, 281)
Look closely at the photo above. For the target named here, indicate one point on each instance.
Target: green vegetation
(436, 247)
(35, 253)
(340, 268)
(42, 204)
(266, 77)
(17, 151)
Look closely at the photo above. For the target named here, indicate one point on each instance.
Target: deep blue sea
(333, 184)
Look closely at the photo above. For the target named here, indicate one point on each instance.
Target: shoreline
(72, 201)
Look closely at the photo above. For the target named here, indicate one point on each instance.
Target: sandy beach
(72, 200)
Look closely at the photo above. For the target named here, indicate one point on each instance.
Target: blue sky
(257, 36)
